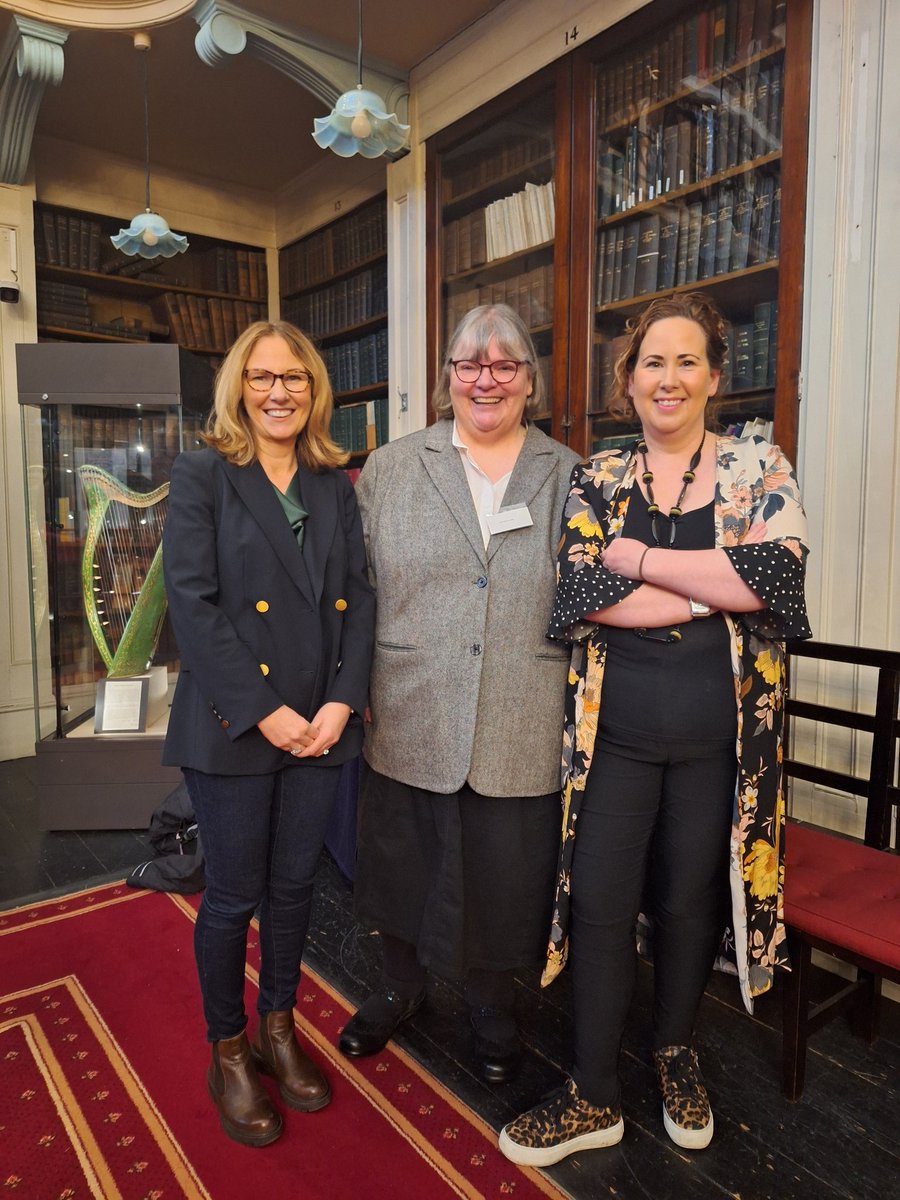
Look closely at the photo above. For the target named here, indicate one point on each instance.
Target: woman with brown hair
(681, 573)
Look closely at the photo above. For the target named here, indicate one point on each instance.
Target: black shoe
(376, 1023)
(498, 1049)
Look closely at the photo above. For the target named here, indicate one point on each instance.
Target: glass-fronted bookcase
(333, 285)
(101, 426)
(493, 220)
(679, 162)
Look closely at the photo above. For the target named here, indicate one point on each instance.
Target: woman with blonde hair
(273, 614)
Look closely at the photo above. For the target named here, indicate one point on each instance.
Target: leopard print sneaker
(687, 1115)
(563, 1124)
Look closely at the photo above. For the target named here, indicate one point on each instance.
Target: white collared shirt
(486, 496)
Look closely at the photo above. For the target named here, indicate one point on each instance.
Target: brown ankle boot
(276, 1052)
(245, 1111)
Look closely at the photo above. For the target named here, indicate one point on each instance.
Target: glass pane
(689, 192)
(498, 223)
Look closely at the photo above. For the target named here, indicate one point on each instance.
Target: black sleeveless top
(681, 689)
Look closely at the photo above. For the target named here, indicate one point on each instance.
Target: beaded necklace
(675, 512)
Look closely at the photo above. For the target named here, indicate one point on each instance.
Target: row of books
(700, 46)
(81, 243)
(749, 362)
(357, 238)
(624, 441)
(65, 240)
(345, 303)
(359, 427)
(210, 322)
(527, 218)
(753, 425)
(68, 306)
(503, 227)
(512, 155)
(732, 228)
(530, 294)
(359, 363)
(752, 345)
(699, 140)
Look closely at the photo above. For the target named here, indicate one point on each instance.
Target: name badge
(516, 516)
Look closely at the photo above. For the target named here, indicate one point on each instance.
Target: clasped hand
(622, 556)
(286, 729)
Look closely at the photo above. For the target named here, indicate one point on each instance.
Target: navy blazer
(258, 623)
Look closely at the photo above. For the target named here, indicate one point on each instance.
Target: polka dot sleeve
(776, 574)
(583, 584)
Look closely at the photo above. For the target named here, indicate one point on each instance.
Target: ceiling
(245, 123)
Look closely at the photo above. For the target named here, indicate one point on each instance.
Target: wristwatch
(698, 609)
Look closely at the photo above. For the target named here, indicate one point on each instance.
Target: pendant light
(358, 123)
(148, 234)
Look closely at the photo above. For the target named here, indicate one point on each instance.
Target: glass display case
(101, 426)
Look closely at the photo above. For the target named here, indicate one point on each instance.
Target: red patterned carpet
(102, 1091)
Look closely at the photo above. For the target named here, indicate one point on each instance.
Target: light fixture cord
(359, 48)
(146, 54)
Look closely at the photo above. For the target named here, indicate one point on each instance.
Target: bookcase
(89, 291)
(334, 287)
(492, 219)
(680, 164)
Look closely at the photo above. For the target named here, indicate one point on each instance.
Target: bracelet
(647, 549)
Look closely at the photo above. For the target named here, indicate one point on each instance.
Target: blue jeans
(262, 836)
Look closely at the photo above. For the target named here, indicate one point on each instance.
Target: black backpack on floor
(177, 865)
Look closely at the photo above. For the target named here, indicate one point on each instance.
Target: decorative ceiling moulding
(126, 15)
(323, 68)
(31, 58)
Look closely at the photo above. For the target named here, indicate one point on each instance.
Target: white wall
(849, 460)
(17, 324)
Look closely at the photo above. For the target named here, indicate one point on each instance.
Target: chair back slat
(878, 785)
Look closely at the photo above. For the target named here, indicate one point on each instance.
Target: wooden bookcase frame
(574, 83)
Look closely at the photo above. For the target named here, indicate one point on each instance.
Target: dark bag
(178, 862)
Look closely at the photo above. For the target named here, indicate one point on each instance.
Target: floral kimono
(761, 525)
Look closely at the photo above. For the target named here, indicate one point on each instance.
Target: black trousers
(654, 828)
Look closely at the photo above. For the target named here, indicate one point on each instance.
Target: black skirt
(467, 879)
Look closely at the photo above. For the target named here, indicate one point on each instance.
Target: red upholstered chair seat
(841, 896)
(840, 891)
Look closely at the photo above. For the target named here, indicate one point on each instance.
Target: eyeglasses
(264, 381)
(502, 371)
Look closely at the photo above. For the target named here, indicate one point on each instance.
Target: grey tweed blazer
(465, 687)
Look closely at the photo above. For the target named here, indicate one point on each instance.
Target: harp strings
(125, 548)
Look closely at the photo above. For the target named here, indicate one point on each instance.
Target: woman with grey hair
(460, 813)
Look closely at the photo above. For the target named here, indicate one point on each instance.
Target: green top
(291, 502)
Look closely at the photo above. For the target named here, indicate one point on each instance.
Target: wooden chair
(842, 896)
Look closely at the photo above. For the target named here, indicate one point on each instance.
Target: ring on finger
(325, 751)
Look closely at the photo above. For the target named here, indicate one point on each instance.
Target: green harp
(121, 571)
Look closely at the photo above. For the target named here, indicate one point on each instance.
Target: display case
(334, 287)
(101, 426)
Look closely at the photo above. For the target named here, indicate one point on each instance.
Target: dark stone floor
(841, 1141)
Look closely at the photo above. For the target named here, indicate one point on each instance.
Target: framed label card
(128, 705)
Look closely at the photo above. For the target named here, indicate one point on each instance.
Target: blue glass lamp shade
(358, 124)
(149, 236)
